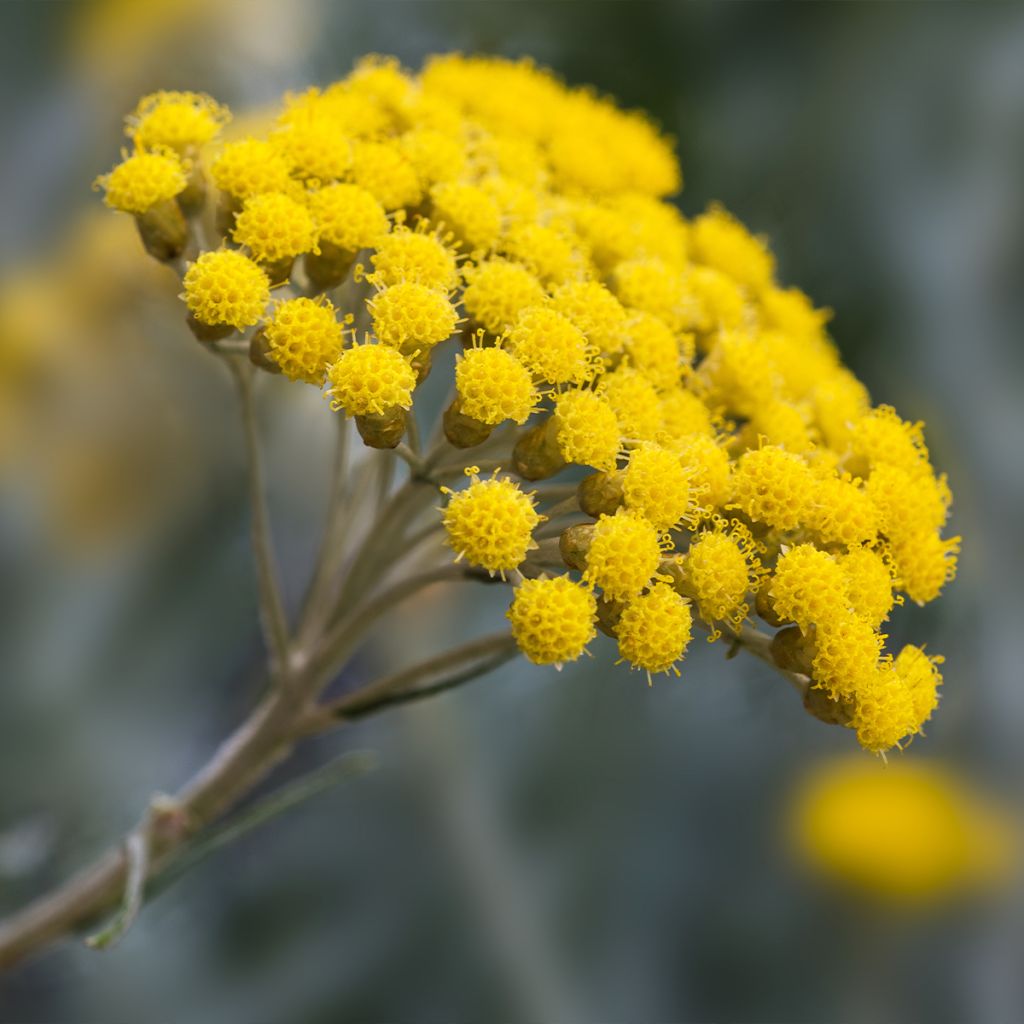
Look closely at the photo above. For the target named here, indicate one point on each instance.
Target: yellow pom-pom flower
(655, 287)
(491, 524)
(682, 412)
(709, 463)
(434, 155)
(412, 316)
(656, 485)
(624, 554)
(882, 437)
(493, 386)
(635, 403)
(370, 380)
(143, 180)
(176, 119)
(414, 256)
(314, 148)
(808, 587)
(722, 242)
(925, 563)
(869, 584)
(552, 619)
(551, 347)
(497, 291)
(468, 212)
(544, 251)
(381, 169)
(884, 713)
(304, 338)
(843, 513)
(908, 503)
(274, 227)
(922, 678)
(348, 217)
(654, 630)
(595, 311)
(249, 167)
(587, 430)
(225, 287)
(773, 486)
(846, 655)
(720, 569)
(656, 353)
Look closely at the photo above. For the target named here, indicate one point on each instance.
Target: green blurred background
(536, 846)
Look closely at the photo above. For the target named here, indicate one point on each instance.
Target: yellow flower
(468, 212)
(412, 316)
(587, 430)
(551, 347)
(491, 524)
(634, 401)
(274, 227)
(658, 353)
(658, 487)
(370, 380)
(654, 630)
(304, 338)
(414, 256)
(143, 180)
(624, 555)
(249, 167)
(847, 651)
(720, 569)
(497, 291)
(494, 386)
(382, 170)
(809, 587)
(544, 251)
(722, 242)
(773, 486)
(869, 583)
(225, 287)
(348, 217)
(552, 619)
(176, 119)
(595, 311)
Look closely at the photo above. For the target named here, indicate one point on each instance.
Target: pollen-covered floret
(925, 563)
(143, 180)
(722, 242)
(275, 227)
(882, 437)
(922, 678)
(225, 287)
(551, 347)
(711, 468)
(381, 169)
(655, 351)
(595, 311)
(314, 148)
(587, 430)
(657, 485)
(468, 212)
(497, 291)
(412, 316)
(683, 413)
(544, 251)
(414, 256)
(349, 217)
(842, 512)
(869, 583)
(494, 386)
(370, 380)
(907, 503)
(552, 619)
(884, 713)
(655, 287)
(773, 486)
(720, 570)
(808, 587)
(847, 653)
(304, 338)
(176, 119)
(491, 524)
(624, 554)
(655, 629)
(249, 167)
(634, 401)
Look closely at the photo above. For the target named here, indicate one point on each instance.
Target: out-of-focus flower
(910, 833)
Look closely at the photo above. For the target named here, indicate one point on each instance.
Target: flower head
(494, 386)
(143, 180)
(275, 227)
(225, 287)
(304, 338)
(370, 380)
(176, 119)
(654, 630)
(552, 619)
(624, 555)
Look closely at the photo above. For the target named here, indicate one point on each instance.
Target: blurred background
(536, 846)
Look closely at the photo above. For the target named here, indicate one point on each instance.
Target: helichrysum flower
(735, 454)
(412, 316)
(552, 619)
(348, 217)
(225, 287)
(304, 337)
(493, 386)
(624, 554)
(143, 180)
(655, 629)
(491, 524)
(275, 227)
(176, 119)
(370, 380)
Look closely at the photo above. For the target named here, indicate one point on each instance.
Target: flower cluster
(726, 461)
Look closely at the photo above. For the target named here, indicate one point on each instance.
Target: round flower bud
(491, 524)
(595, 311)
(144, 180)
(225, 287)
(587, 430)
(468, 212)
(303, 338)
(497, 291)
(176, 119)
(774, 487)
(550, 347)
(718, 573)
(370, 380)
(624, 555)
(552, 619)
(249, 167)
(922, 678)
(655, 352)
(634, 402)
(275, 228)
(924, 563)
(869, 584)
(414, 256)
(656, 485)
(809, 587)
(493, 386)
(884, 713)
(846, 655)
(655, 629)
(412, 316)
(349, 217)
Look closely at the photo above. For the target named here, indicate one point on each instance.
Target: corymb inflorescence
(698, 456)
